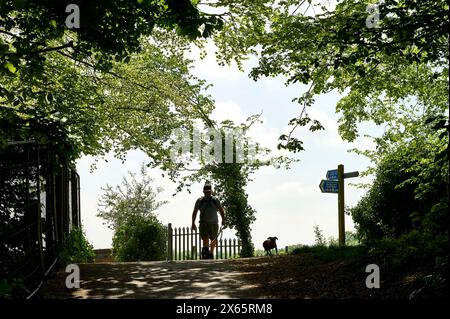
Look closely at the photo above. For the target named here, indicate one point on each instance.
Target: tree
(134, 201)
(58, 84)
(340, 49)
(379, 67)
(117, 83)
(109, 30)
(229, 174)
(320, 239)
(410, 191)
(86, 111)
(130, 211)
(391, 76)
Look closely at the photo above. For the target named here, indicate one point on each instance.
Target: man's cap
(207, 187)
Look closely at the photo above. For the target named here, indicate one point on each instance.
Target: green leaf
(10, 67)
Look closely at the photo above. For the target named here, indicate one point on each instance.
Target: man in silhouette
(209, 221)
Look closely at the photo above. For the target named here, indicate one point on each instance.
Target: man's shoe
(205, 253)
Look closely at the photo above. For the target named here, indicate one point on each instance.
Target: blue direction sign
(332, 174)
(327, 186)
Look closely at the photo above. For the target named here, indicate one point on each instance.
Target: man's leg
(211, 249)
(213, 246)
(214, 233)
(205, 240)
(205, 248)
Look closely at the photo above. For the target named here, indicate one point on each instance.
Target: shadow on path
(168, 279)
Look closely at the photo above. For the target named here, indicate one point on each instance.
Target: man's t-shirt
(208, 206)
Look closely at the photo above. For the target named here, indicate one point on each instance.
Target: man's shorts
(209, 231)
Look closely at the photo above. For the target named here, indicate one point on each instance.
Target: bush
(404, 216)
(140, 240)
(13, 289)
(76, 248)
(385, 210)
(247, 250)
(329, 253)
(415, 249)
(410, 192)
(410, 249)
(301, 250)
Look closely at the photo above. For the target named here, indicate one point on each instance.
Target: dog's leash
(219, 233)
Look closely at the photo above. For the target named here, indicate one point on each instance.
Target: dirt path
(180, 279)
(301, 276)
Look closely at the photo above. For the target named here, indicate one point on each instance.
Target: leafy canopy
(109, 30)
(87, 111)
(376, 66)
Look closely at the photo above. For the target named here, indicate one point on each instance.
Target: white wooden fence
(183, 243)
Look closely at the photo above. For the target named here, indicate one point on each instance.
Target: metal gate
(39, 205)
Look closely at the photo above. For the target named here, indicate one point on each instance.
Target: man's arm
(222, 214)
(194, 216)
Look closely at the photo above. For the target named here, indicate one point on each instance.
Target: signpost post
(341, 206)
(335, 184)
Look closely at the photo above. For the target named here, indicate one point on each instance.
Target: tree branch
(9, 33)
(145, 87)
(67, 45)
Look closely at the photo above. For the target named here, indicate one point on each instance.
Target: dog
(269, 244)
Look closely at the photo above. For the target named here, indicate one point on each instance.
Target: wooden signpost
(335, 184)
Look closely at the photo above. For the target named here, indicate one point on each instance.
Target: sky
(288, 203)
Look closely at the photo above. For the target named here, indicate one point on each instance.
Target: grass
(324, 252)
(329, 253)
(281, 250)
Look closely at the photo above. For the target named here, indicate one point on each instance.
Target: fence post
(175, 254)
(179, 243)
(239, 246)
(184, 244)
(199, 244)
(187, 243)
(169, 242)
(286, 249)
(226, 249)
(49, 216)
(39, 212)
(217, 249)
(192, 244)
